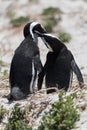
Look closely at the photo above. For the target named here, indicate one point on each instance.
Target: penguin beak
(42, 37)
(39, 34)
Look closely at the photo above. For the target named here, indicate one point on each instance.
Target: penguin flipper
(42, 73)
(38, 63)
(78, 73)
(44, 70)
(41, 76)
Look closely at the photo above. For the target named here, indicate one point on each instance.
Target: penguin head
(32, 28)
(39, 29)
(26, 30)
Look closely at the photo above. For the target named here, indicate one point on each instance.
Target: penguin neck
(47, 45)
(53, 43)
(34, 38)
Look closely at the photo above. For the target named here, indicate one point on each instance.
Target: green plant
(1, 63)
(17, 125)
(62, 116)
(51, 16)
(5, 73)
(2, 113)
(17, 120)
(19, 21)
(64, 37)
(51, 11)
(49, 24)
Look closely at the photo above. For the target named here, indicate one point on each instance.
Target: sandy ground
(74, 21)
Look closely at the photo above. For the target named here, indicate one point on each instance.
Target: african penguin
(25, 63)
(60, 65)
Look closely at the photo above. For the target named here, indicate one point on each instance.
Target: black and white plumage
(25, 63)
(60, 65)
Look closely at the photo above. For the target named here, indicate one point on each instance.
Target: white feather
(70, 82)
(32, 25)
(33, 75)
(47, 34)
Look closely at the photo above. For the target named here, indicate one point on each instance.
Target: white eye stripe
(43, 27)
(32, 25)
(47, 34)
